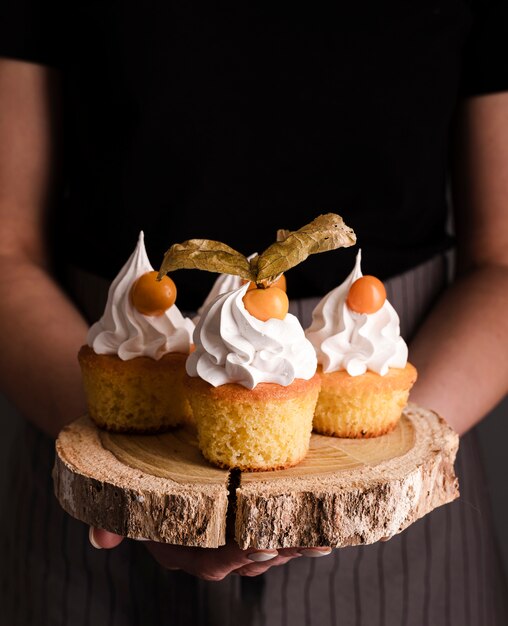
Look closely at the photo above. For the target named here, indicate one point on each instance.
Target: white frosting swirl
(356, 342)
(232, 346)
(124, 331)
(223, 284)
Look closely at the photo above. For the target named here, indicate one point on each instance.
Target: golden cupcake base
(138, 395)
(363, 406)
(265, 428)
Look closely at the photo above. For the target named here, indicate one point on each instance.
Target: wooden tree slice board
(345, 492)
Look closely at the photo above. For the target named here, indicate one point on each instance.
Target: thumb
(103, 538)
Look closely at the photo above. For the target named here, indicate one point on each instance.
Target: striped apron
(442, 571)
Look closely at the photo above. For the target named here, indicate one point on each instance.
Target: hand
(211, 563)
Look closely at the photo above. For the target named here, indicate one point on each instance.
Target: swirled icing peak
(232, 346)
(222, 284)
(124, 331)
(356, 342)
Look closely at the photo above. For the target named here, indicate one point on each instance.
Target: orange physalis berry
(366, 295)
(151, 296)
(265, 304)
(280, 283)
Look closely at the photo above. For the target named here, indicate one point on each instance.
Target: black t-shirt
(231, 120)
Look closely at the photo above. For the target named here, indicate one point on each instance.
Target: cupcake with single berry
(365, 374)
(252, 384)
(252, 376)
(133, 365)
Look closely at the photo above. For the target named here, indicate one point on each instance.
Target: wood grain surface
(345, 492)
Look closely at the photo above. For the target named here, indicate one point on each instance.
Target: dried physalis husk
(283, 234)
(326, 232)
(205, 254)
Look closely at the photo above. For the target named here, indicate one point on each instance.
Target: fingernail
(92, 539)
(259, 557)
(141, 539)
(315, 552)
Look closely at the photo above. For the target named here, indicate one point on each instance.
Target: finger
(289, 551)
(230, 557)
(285, 556)
(103, 539)
(309, 552)
(315, 552)
(255, 569)
(206, 563)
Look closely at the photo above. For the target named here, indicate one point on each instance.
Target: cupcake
(252, 381)
(134, 362)
(252, 385)
(362, 359)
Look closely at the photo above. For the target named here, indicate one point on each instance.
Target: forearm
(461, 350)
(40, 334)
